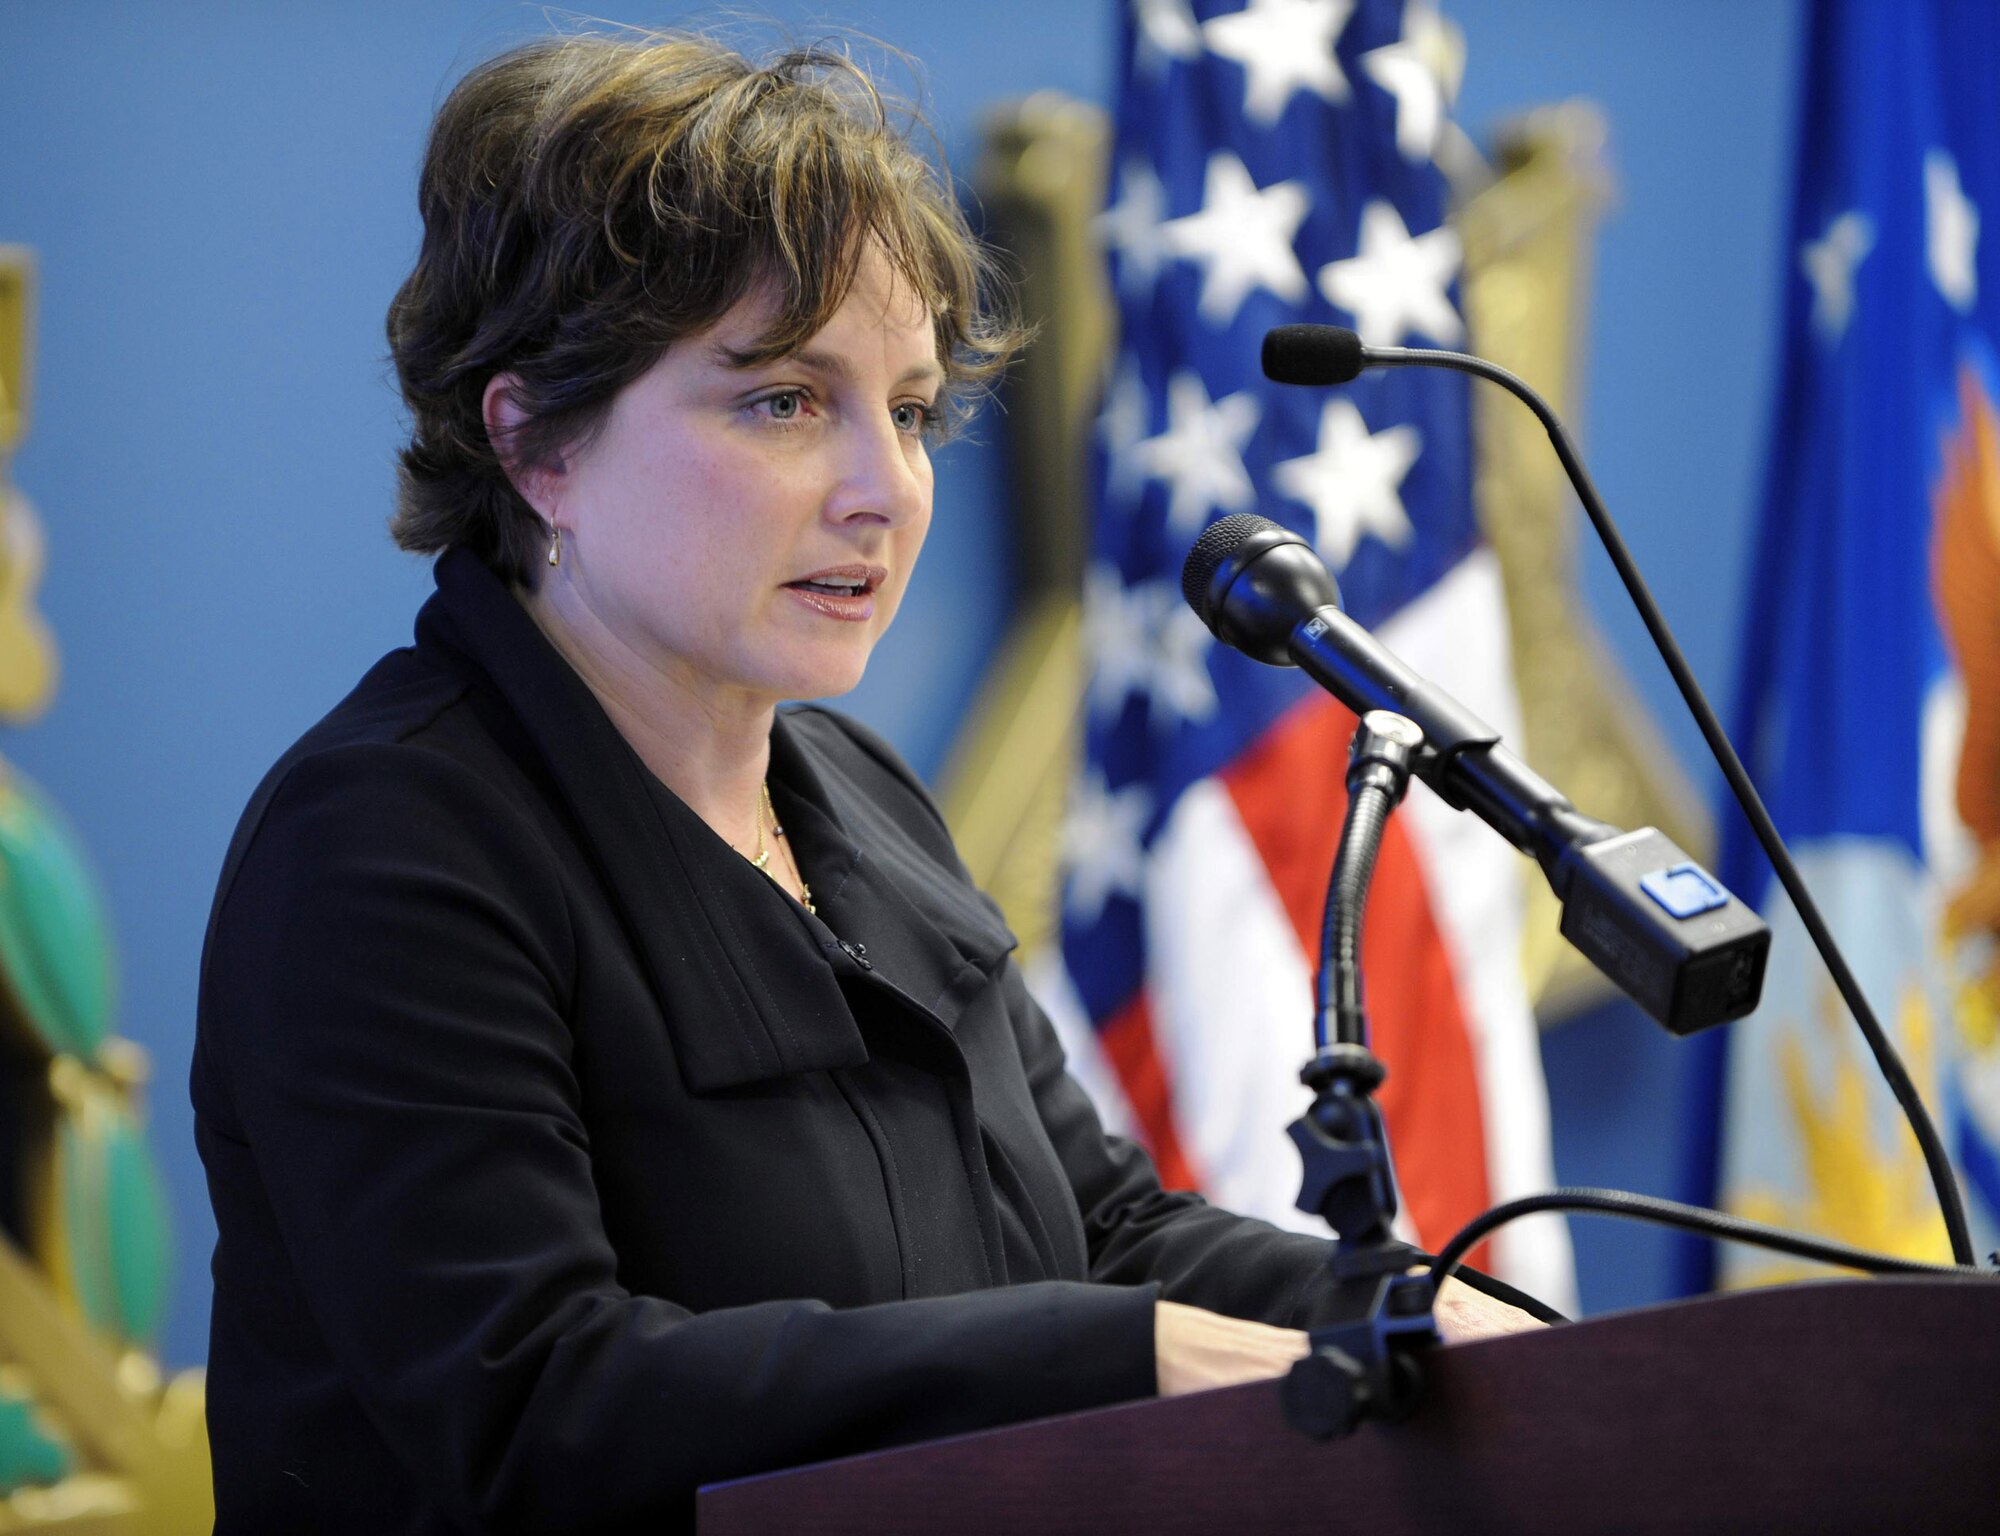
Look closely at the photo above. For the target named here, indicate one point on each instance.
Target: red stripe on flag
(1128, 1044)
(1289, 790)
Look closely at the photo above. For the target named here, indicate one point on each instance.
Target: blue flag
(1869, 701)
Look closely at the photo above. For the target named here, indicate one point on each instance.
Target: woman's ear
(540, 485)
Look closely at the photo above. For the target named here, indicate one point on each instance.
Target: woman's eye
(786, 407)
(912, 416)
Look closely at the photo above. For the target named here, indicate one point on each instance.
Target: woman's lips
(854, 608)
(844, 592)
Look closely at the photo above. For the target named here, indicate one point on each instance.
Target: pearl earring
(555, 548)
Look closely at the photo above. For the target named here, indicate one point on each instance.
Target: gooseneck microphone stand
(1366, 1362)
(1325, 354)
(1363, 1364)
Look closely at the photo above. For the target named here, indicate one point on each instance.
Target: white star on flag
(1167, 32)
(1101, 844)
(1394, 284)
(1402, 71)
(1180, 682)
(1114, 637)
(1145, 639)
(1829, 264)
(1951, 226)
(1438, 43)
(1131, 226)
(1284, 46)
(1242, 237)
(1120, 427)
(1351, 482)
(1200, 454)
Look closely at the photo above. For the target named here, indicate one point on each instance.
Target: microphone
(1314, 354)
(1651, 919)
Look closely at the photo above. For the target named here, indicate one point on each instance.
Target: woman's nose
(885, 474)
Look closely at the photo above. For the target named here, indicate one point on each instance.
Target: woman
(608, 1084)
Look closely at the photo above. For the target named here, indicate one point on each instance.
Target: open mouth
(847, 581)
(845, 592)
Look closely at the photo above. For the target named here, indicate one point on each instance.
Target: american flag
(1273, 163)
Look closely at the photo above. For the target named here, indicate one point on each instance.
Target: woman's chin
(826, 680)
(827, 690)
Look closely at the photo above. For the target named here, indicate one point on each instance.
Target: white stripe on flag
(1048, 981)
(1455, 634)
(1232, 1007)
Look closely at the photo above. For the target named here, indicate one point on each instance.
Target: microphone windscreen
(1217, 543)
(1312, 354)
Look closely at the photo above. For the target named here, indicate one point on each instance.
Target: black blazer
(562, 1163)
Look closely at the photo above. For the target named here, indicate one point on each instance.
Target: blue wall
(221, 198)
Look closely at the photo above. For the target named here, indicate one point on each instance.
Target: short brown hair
(589, 200)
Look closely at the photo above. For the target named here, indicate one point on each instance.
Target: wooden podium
(1867, 1405)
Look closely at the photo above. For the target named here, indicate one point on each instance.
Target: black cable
(1949, 1199)
(1671, 1213)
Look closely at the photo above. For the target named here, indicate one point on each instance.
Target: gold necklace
(761, 860)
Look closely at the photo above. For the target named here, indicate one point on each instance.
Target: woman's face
(747, 532)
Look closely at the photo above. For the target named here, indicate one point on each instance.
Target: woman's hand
(1194, 1350)
(1463, 1314)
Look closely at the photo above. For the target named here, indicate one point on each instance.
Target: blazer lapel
(743, 979)
(930, 935)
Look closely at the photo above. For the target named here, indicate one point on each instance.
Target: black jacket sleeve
(1136, 1230)
(1197, 1253)
(384, 1011)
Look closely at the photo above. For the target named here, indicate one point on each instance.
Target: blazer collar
(750, 983)
(925, 930)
